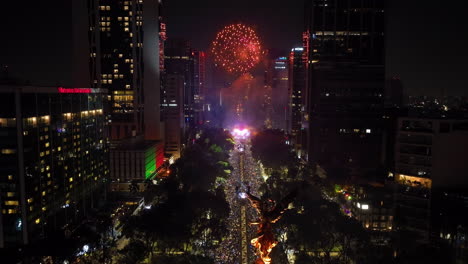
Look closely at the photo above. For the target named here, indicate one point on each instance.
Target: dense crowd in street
(230, 248)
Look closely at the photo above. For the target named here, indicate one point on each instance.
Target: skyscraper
(199, 85)
(346, 85)
(179, 60)
(125, 43)
(345, 30)
(296, 91)
(280, 95)
(54, 159)
(174, 114)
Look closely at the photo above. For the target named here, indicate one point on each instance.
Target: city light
(74, 90)
(241, 133)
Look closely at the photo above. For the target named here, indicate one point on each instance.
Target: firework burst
(236, 48)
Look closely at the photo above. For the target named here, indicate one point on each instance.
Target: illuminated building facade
(429, 159)
(128, 64)
(53, 160)
(136, 159)
(174, 115)
(373, 206)
(280, 96)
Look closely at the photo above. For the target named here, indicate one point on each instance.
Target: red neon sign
(74, 90)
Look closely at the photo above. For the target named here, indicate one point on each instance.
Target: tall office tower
(345, 30)
(127, 56)
(179, 60)
(174, 114)
(53, 160)
(280, 97)
(199, 86)
(346, 85)
(296, 78)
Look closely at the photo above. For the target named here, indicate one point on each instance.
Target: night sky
(427, 41)
(279, 23)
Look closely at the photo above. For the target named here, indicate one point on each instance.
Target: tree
(189, 210)
(133, 253)
(269, 147)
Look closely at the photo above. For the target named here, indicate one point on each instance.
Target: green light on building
(150, 164)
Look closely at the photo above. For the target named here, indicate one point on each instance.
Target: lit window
(120, 55)
(38, 221)
(127, 86)
(116, 70)
(116, 65)
(365, 207)
(108, 8)
(30, 200)
(368, 131)
(8, 151)
(11, 203)
(10, 177)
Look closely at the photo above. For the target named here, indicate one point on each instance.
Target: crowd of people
(230, 248)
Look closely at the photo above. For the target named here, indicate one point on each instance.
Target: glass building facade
(54, 162)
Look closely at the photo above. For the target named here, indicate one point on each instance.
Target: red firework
(236, 48)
